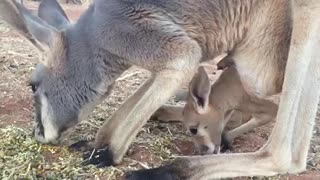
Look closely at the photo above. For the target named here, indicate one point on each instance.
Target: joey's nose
(193, 131)
(204, 149)
(209, 149)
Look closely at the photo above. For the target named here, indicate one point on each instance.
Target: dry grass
(22, 157)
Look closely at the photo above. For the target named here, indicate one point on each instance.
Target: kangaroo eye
(193, 131)
(33, 88)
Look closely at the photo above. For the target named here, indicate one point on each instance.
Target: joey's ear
(199, 90)
(51, 12)
(38, 32)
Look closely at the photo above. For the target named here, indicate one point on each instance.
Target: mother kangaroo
(81, 61)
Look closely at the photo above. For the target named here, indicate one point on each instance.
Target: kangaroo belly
(259, 77)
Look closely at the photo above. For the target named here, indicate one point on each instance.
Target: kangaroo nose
(193, 131)
(204, 149)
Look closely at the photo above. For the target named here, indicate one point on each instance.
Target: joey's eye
(206, 127)
(193, 131)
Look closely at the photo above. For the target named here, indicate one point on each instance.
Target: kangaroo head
(203, 119)
(67, 83)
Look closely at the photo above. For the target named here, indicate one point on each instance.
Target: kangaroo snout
(209, 149)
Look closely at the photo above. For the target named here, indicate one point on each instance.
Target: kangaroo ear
(199, 91)
(38, 32)
(51, 12)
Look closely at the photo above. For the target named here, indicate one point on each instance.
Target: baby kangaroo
(215, 115)
(210, 108)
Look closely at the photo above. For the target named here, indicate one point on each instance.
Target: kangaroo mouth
(209, 149)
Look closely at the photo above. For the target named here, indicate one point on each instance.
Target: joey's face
(206, 129)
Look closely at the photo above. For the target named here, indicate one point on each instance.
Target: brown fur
(228, 111)
(227, 100)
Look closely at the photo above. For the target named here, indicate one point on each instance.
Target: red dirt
(15, 111)
(183, 147)
(141, 153)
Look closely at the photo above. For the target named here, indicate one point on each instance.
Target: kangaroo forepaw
(100, 158)
(225, 144)
(82, 146)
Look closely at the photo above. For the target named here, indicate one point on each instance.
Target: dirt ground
(156, 143)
